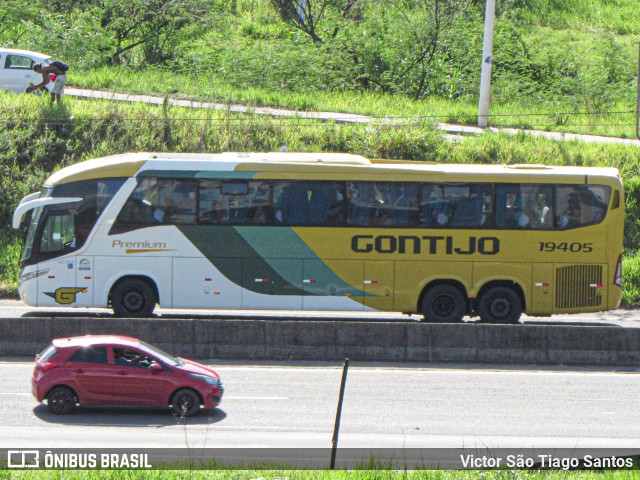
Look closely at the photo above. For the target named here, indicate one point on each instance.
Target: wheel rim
(61, 401)
(443, 305)
(185, 404)
(133, 301)
(500, 308)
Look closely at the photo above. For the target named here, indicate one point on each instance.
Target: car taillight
(617, 280)
(44, 366)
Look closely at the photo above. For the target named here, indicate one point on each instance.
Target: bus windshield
(61, 222)
(27, 245)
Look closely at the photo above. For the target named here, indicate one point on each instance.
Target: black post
(336, 428)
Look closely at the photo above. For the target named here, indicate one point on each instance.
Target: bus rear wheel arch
(134, 297)
(443, 303)
(500, 303)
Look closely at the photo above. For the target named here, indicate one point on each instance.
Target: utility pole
(485, 77)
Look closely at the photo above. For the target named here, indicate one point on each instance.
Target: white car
(16, 69)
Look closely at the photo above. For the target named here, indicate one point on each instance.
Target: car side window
(18, 62)
(131, 358)
(90, 355)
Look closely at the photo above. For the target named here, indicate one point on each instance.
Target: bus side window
(469, 212)
(431, 206)
(309, 203)
(593, 203)
(581, 205)
(359, 208)
(395, 204)
(211, 206)
(406, 204)
(567, 206)
(178, 199)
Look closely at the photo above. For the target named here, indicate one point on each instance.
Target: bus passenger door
(200, 283)
(378, 285)
(542, 289)
(62, 285)
(272, 283)
(333, 285)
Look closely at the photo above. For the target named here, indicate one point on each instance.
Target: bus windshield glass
(60, 228)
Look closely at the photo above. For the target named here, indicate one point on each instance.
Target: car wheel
(443, 304)
(185, 403)
(133, 298)
(500, 305)
(61, 401)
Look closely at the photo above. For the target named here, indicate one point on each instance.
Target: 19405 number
(566, 247)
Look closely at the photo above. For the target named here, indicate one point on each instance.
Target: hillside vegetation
(567, 65)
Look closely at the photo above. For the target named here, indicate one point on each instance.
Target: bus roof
(132, 164)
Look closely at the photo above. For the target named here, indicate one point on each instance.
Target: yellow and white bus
(323, 231)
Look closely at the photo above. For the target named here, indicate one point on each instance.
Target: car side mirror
(155, 367)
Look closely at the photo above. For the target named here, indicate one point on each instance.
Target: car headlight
(209, 380)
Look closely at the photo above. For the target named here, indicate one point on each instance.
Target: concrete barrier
(337, 339)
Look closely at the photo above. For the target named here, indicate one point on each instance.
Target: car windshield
(161, 355)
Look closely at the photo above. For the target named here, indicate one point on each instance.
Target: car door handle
(79, 370)
(122, 372)
(28, 76)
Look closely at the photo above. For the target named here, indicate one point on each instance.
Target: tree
(16, 18)
(153, 25)
(307, 15)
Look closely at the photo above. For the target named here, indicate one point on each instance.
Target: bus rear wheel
(443, 304)
(133, 298)
(500, 305)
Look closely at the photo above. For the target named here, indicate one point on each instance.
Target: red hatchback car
(116, 370)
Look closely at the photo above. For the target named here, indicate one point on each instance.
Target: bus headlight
(32, 275)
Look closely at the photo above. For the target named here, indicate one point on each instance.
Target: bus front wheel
(500, 305)
(133, 298)
(443, 304)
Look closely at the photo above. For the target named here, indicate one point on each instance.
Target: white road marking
(255, 398)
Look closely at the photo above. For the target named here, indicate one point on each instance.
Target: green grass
(322, 475)
(618, 120)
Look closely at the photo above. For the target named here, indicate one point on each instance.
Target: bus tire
(443, 304)
(500, 305)
(133, 298)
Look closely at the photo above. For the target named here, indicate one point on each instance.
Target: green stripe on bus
(227, 250)
(268, 242)
(247, 254)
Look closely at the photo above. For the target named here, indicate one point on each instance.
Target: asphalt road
(398, 406)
